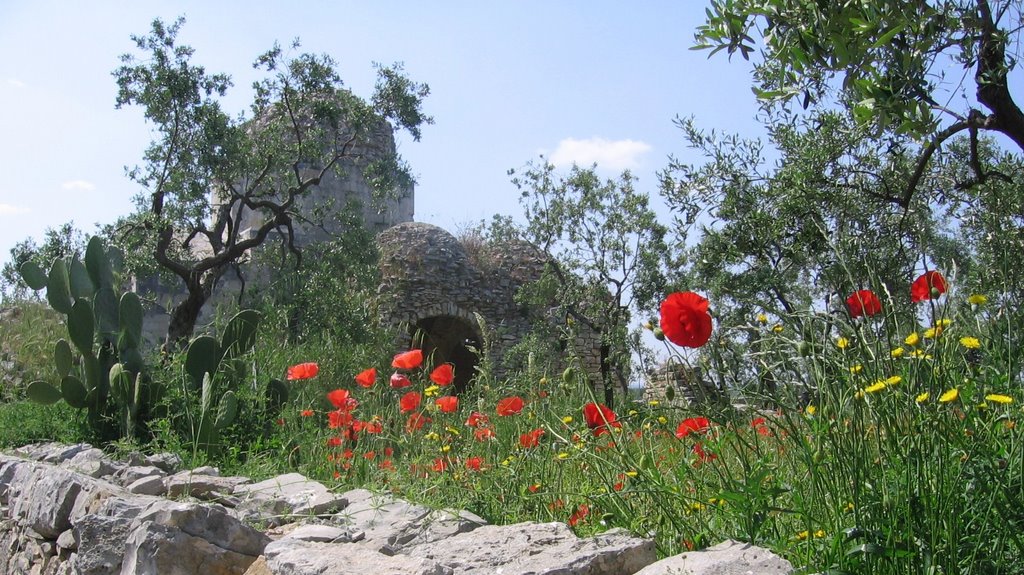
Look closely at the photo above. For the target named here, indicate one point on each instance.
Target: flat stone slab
(285, 496)
(537, 548)
(727, 558)
(305, 558)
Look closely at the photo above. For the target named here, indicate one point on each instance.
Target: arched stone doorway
(450, 339)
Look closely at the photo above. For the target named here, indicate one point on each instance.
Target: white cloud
(9, 210)
(79, 186)
(16, 83)
(608, 154)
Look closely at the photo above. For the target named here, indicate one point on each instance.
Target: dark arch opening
(453, 340)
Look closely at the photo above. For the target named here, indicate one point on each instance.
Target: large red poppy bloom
(474, 463)
(447, 404)
(863, 303)
(685, 319)
(510, 406)
(928, 285)
(598, 417)
(408, 360)
(443, 374)
(303, 371)
(409, 402)
(693, 425)
(367, 378)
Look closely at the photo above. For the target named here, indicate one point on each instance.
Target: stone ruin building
(450, 301)
(688, 387)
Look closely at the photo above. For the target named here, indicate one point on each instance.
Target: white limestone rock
(727, 558)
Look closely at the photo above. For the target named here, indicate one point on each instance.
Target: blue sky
(578, 81)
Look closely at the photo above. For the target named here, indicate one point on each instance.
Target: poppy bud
(658, 334)
(670, 392)
(804, 349)
(568, 375)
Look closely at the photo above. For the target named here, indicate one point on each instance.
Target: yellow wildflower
(563, 455)
(912, 339)
(848, 508)
(432, 436)
(998, 398)
(897, 352)
(970, 342)
(811, 409)
(921, 398)
(631, 473)
(893, 380)
(819, 533)
(431, 391)
(942, 323)
(662, 419)
(977, 299)
(875, 387)
(856, 368)
(777, 328)
(567, 419)
(762, 319)
(949, 396)
(842, 343)
(654, 403)
(803, 535)
(446, 448)
(633, 412)
(932, 332)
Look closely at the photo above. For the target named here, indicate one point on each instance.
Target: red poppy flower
(408, 360)
(334, 442)
(370, 455)
(409, 402)
(702, 456)
(399, 381)
(342, 399)
(928, 285)
(510, 406)
(474, 463)
(307, 413)
(693, 425)
(531, 439)
(760, 425)
(476, 419)
(598, 417)
(373, 426)
(579, 515)
(443, 374)
(685, 319)
(367, 378)
(447, 404)
(338, 419)
(483, 433)
(386, 465)
(302, 371)
(441, 465)
(863, 303)
(416, 422)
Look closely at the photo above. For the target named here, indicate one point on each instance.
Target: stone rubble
(69, 509)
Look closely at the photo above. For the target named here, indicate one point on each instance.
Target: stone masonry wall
(427, 273)
(68, 509)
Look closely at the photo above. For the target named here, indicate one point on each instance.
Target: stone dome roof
(411, 248)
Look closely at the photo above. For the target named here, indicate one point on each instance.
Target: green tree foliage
(303, 123)
(810, 227)
(892, 57)
(65, 241)
(610, 252)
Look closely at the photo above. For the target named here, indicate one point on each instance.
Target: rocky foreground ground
(69, 509)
